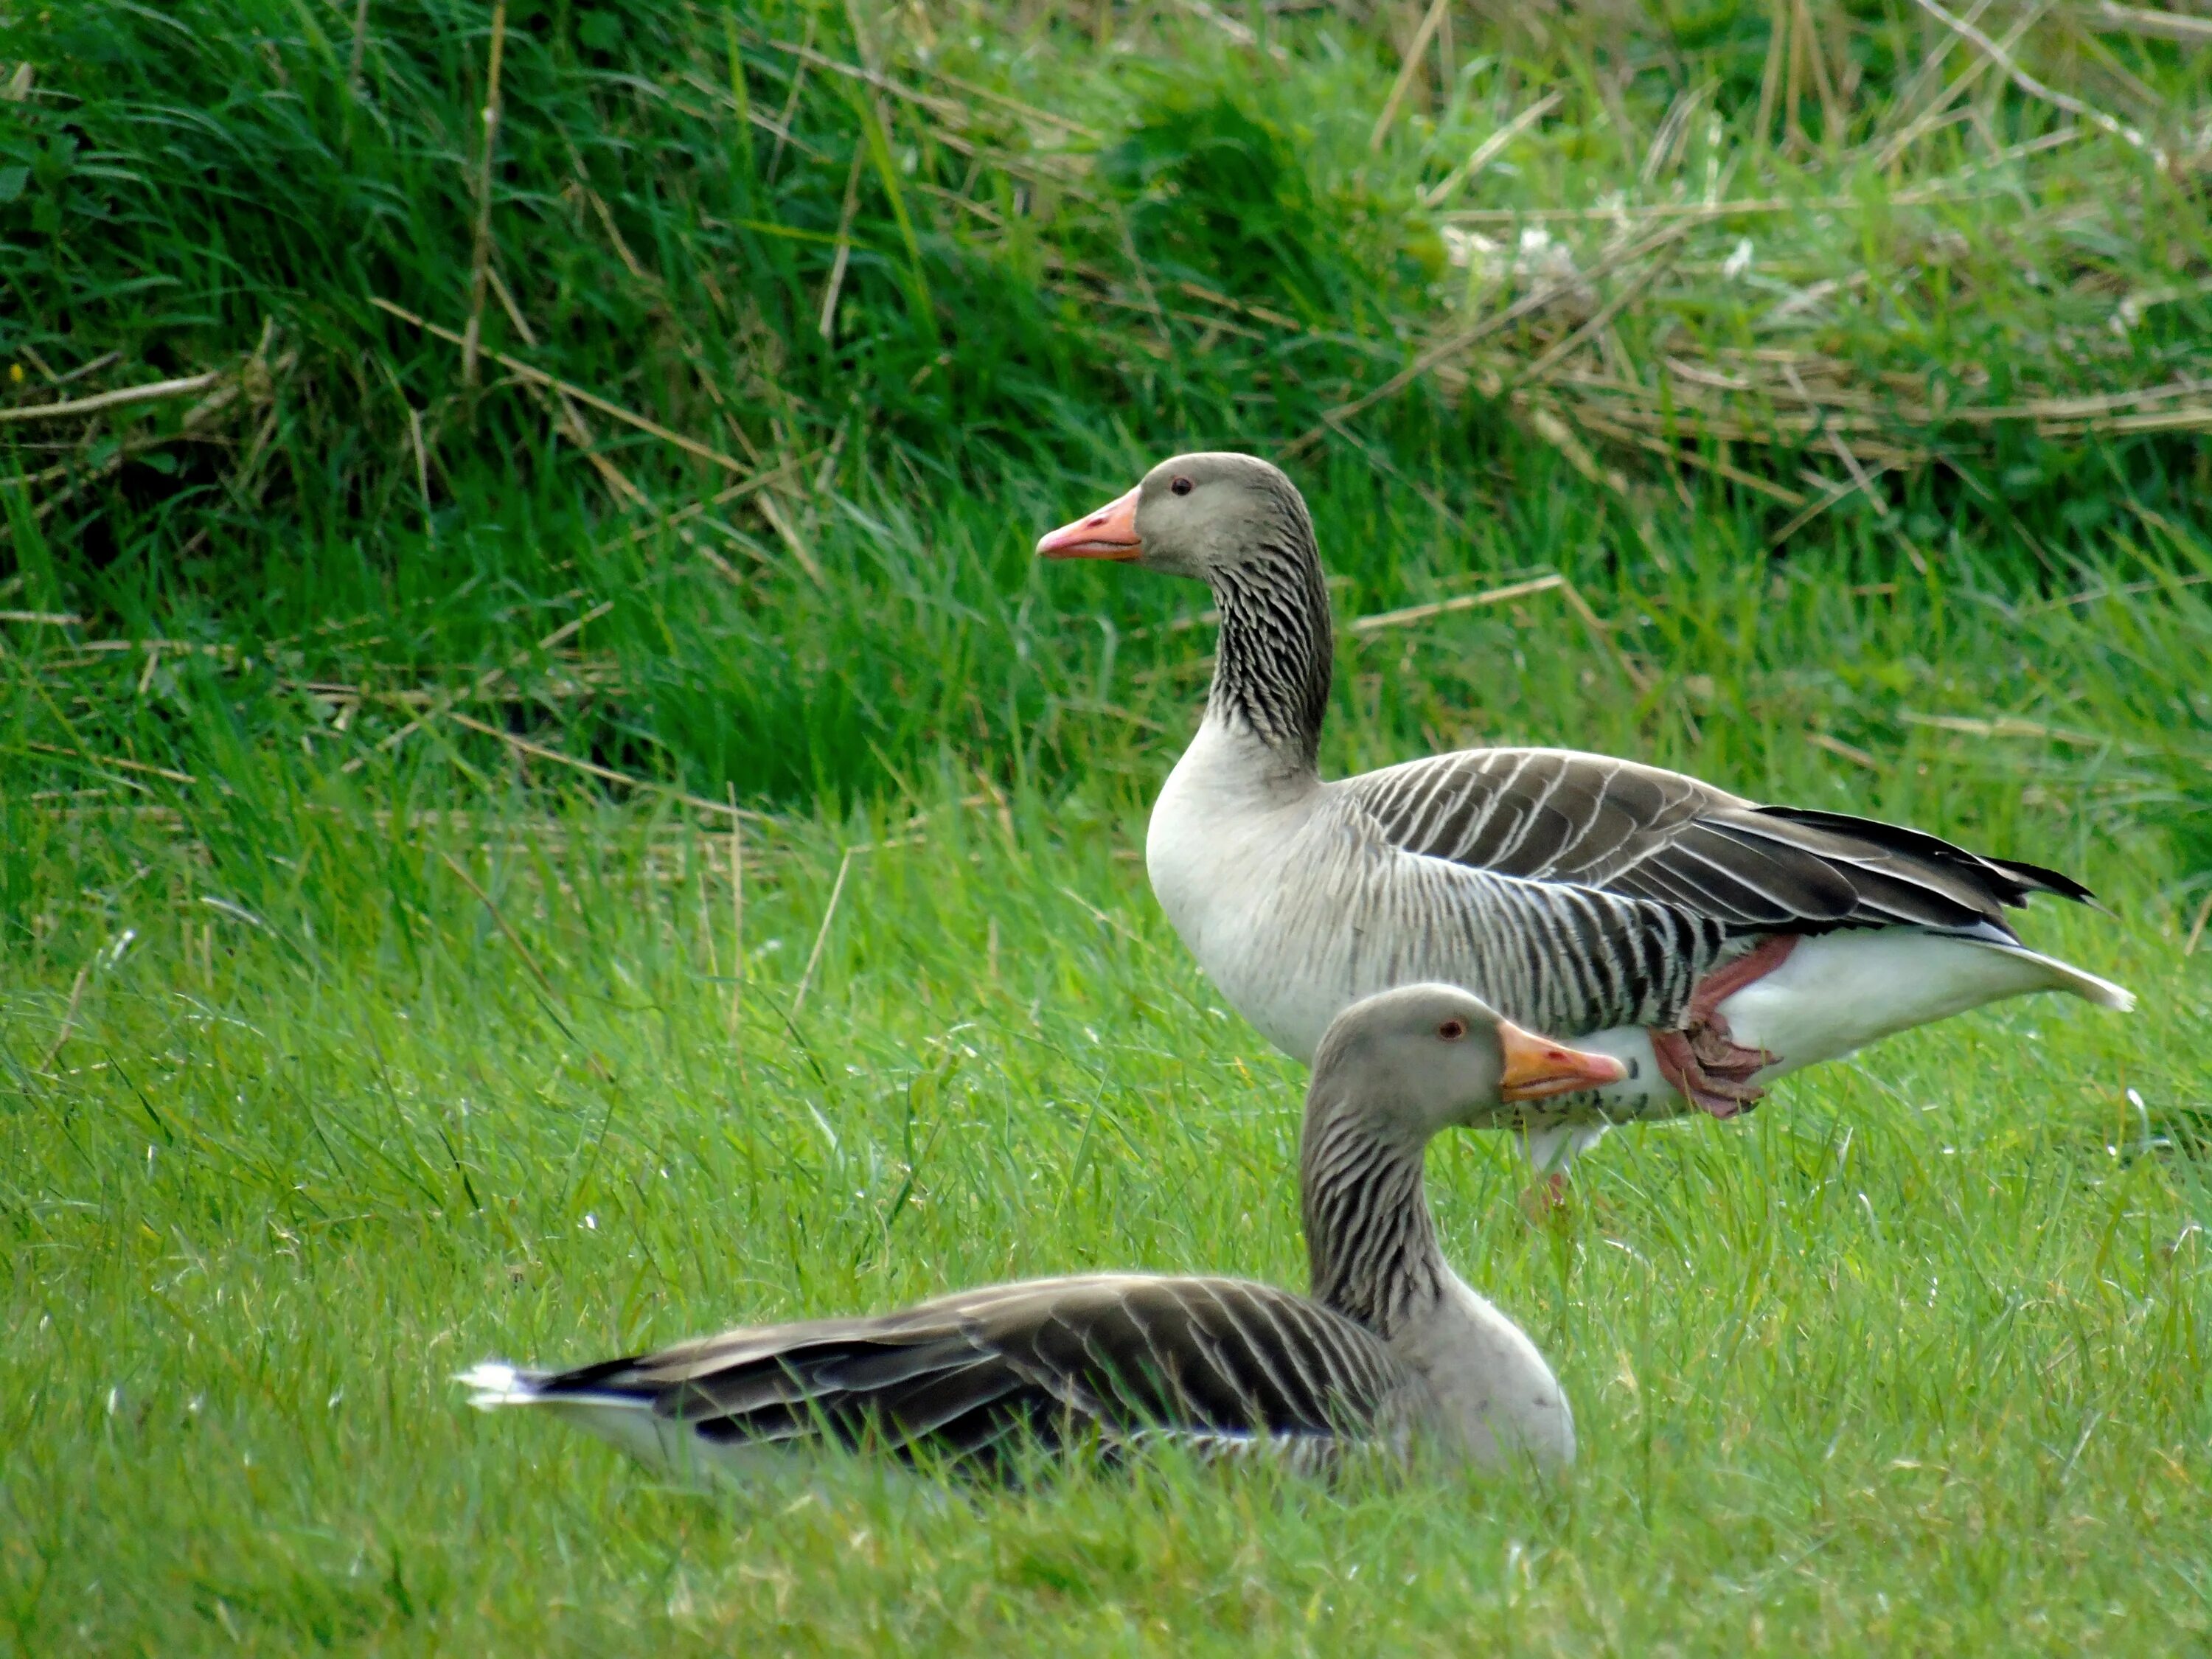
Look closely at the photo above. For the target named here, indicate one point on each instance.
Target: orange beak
(1108, 533)
(1537, 1068)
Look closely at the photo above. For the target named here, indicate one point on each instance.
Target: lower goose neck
(1271, 675)
(1370, 1238)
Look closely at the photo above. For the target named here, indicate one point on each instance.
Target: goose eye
(1179, 487)
(1452, 1030)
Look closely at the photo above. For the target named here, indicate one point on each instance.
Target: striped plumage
(979, 1377)
(1625, 884)
(1712, 943)
(1392, 1345)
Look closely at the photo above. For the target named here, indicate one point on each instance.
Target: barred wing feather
(1554, 816)
(1222, 1363)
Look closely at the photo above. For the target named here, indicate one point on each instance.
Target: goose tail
(623, 1417)
(2065, 976)
(495, 1384)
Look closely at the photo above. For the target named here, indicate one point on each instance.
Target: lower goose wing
(969, 1378)
(1553, 816)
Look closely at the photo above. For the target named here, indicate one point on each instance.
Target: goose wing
(1220, 1363)
(1554, 816)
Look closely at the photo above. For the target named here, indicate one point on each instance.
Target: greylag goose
(1393, 1348)
(1710, 943)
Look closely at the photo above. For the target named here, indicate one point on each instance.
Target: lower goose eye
(1179, 487)
(1452, 1030)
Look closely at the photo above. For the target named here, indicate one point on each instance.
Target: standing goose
(1709, 942)
(1392, 1346)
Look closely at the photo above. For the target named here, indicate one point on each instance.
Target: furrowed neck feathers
(1271, 675)
(1371, 1239)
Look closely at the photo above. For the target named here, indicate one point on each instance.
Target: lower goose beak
(1108, 533)
(1537, 1068)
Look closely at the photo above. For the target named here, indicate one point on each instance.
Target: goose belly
(1835, 993)
(1838, 992)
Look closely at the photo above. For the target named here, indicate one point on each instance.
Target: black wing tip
(2016, 880)
(597, 1371)
(2037, 879)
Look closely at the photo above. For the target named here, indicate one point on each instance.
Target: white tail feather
(1839, 992)
(497, 1384)
(2064, 976)
(627, 1421)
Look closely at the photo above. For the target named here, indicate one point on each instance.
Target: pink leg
(1702, 1060)
(1548, 1197)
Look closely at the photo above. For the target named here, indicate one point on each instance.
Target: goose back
(1218, 1364)
(1555, 816)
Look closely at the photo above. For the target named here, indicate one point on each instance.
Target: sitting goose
(1710, 943)
(1392, 1346)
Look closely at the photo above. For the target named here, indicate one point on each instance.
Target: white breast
(1233, 862)
(1494, 1392)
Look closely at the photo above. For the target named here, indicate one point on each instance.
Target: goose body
(1709, 942)
(1391, 1349)
(1219, 1364)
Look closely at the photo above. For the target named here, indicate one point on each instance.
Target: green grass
(345, 1042)
(1918, 1351)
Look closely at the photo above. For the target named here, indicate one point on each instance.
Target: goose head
(1424, 1058)
(1211, 515)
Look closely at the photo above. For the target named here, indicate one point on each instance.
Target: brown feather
(1587, 821)
(969, 1376)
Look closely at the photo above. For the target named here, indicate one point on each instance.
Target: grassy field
(380, 752)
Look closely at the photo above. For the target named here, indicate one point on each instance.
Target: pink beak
(1108, 533)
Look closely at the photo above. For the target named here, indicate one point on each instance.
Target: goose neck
(1272, 671)
(1371, 1238)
